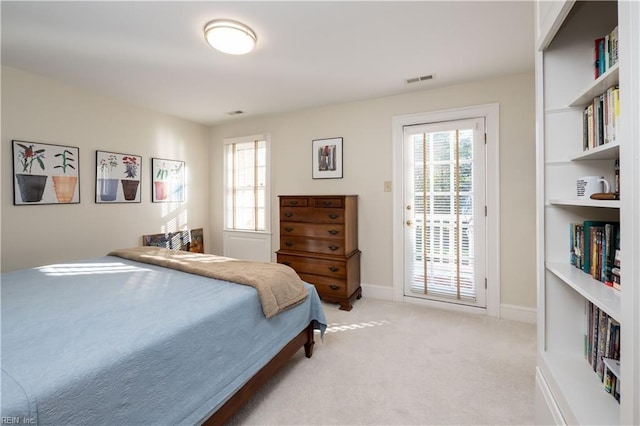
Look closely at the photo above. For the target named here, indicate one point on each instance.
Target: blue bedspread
(113, 341)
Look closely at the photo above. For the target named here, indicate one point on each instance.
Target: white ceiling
(309, 54)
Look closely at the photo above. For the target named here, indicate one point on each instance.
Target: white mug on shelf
(587, 185)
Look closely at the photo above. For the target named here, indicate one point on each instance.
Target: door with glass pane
(444, 210)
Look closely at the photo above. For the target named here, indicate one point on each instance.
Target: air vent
(417, 79)
(238, 112)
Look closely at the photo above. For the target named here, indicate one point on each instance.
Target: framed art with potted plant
(45, 173)
(167, 180)
(117, 177)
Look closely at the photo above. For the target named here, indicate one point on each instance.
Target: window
(247, 183)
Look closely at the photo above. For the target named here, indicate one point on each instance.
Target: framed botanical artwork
(167, 180)
(45, 173)
(327, 158)
(117, 177)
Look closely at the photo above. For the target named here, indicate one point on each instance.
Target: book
(587, 244)
(587, 317)
(609, 379)
(575, 255)
(598, 43)
(613, 111)
(606, 53)
(616, 182)
(613, 46)
(608, 252)
(586, 120)
(601, 56)
(593, 337)
(601, 343)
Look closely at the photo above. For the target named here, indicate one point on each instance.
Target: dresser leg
(346, 305)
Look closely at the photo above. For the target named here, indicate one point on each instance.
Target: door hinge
(485, 138)
(485, 283)
(485, 211)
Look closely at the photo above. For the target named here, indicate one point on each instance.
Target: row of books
(602, 347)
(595, 249)
(605, 53)
(600, 119)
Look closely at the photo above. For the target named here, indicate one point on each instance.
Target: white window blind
(246, 184)
(442, 263)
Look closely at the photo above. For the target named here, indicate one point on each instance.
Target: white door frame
(491, 113)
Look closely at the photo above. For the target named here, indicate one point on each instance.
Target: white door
(444, 210)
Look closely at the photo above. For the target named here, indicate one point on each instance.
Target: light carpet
(390, 363)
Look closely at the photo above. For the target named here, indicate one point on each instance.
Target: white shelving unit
(568, 390)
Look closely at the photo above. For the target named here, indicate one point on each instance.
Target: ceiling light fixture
(230, 36)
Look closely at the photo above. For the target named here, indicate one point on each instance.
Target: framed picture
(117, 177)
(167, 180)
(45, 173)
(327, 158)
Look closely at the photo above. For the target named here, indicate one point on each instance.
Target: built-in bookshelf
(577, 383)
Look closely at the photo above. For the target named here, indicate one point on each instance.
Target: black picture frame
(45, 173)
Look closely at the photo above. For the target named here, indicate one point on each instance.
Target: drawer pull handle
(333, 248)
(288, 229)
(327, 203)
(288, 214)
(334, 268)
(334, 231)
(333, 216)
(286, 263)
(288, 243)
(293, 202)
(334, 287)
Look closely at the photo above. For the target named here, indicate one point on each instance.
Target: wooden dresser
(319, 239)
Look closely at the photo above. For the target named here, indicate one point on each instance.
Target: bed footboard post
(308, 346)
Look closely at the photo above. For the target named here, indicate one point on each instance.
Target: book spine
(597, 56)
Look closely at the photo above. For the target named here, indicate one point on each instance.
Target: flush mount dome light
(230, 36)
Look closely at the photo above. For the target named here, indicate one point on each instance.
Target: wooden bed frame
(224, 413)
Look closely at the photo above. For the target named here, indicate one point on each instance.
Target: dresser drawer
(311, 215)
(301, 229)
(294, 202)
(313, 245)
(327, 286)
(331, 202)
(305, 265)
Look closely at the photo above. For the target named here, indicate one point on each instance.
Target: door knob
(409, 223)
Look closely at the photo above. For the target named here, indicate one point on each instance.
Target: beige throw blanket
(279, 287)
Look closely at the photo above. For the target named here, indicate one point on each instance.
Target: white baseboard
(377, 291)
(518, 313)
(547, 411)
(509, 312)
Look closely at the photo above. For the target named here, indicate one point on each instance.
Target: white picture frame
(327, 158)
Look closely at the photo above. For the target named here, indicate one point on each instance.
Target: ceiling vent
(417, 79)
(238, 112)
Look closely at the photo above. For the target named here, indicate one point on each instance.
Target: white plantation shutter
(442, 260)
(246, 168)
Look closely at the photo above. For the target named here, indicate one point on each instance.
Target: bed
(112, 340)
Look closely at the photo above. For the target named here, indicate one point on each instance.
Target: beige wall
(366, 129)
(41, 110)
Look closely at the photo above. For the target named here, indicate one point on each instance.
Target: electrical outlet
(387, 186)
